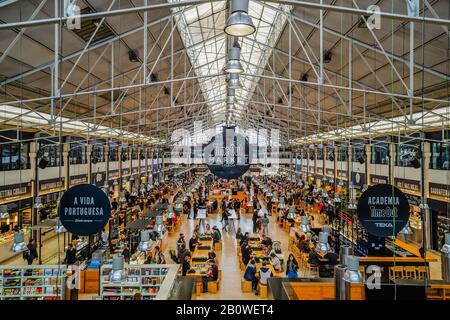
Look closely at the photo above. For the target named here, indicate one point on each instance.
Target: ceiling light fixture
(239, 23)
(234, 64)
(233, 81)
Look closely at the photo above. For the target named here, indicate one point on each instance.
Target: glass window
(319, 153)
(134, 154)
(342, 153)
(77, 154)
(52, 153)
(98, 153)
(380, 153)
(357, 152)
(405, 154)
(440, 156)
(14, 156)
(113, 155)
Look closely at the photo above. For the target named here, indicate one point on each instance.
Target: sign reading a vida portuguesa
(383, 210)
(84, 209)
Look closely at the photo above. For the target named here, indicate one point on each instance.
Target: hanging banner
(358, 180)
(383, 210)
(84, 209)
(227, 154)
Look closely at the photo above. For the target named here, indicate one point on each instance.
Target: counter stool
(422, 273)
(395, 273)
(409, 273)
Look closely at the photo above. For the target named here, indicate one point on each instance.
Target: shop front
(412, 191)
(18, 216)
(439, 206)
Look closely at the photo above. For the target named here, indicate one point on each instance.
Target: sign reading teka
(84, 210)
(383, 210)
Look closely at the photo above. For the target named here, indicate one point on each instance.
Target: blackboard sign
(383, 210)
(84, 209)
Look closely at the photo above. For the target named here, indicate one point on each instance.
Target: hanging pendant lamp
(239, 23)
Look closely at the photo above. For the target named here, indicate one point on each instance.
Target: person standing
(31, 253)
(71, 255)
(195, 209)
(224, 220)
(255, 218)
(265, 223)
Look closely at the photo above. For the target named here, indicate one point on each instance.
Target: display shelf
(152, 281)
(46, 281)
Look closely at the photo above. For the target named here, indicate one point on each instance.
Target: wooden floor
(230, 287)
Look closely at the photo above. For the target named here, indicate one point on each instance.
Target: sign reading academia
(84, 209)
(383, 210)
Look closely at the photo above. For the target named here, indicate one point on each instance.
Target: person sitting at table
(197, 230)
(212, 275)
(212, 256)
(193, 242)
(266, 241)
(208, 231)
(244, 238)
(275, 261)
(250, 275)
(264, 273)
(217, 236)
(186, 265)
(245, 250)
(158, 256)
(313, 258)
(332, 258)
(239, 234)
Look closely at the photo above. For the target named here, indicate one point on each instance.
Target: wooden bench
(218, 246)
(438, 292)
(262, 291)
(246, 286)
(214, 286)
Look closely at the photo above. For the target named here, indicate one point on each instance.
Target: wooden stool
(199, 286)
(395, 273)
(422, 273)
(263, 291)
(246, 286)
(409, 273)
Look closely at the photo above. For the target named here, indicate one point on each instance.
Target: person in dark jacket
(246, 252)
(224, 220)
(31, 253)
(186, 265)
(212, 275)
(71, 255)
(193, 242)
(255, 218)
(250, 275)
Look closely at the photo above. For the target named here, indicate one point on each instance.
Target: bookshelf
(39, 282)
(153, 281)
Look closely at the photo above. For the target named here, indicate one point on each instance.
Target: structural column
(66, 174)
(392, 157)
(89, 162)
(426, 227)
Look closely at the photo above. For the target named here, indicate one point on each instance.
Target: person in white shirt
(275, 261)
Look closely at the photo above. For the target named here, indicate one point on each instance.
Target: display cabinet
(39, 282)
(153, 282)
